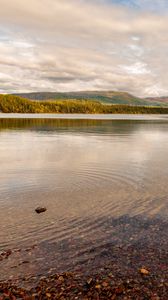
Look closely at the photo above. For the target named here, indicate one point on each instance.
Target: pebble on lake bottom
(40, 210)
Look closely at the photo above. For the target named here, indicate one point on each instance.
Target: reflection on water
(86, 172)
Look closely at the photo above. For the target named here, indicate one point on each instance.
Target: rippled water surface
(87, 173)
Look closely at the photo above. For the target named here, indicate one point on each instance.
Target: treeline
(15, 104)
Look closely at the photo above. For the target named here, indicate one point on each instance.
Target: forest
(16, 104)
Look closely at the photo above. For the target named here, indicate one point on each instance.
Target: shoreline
(101, 286)
(84, 116)
(144, 283)
(133, 268)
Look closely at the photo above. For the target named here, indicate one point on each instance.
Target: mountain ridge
(106, 97)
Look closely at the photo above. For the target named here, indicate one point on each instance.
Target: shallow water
(88, 173)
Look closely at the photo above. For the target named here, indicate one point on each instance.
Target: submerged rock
(144, 271)
(40, 210)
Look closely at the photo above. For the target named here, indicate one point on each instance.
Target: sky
(78, 45)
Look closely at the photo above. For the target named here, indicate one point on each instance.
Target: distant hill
(163, 100)
(108, 97)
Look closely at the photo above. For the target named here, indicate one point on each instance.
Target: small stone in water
(40, 210)
(143, 271)
(89, 281)
(61, 278)
(98, 286)
(105, 284)
(48, 295)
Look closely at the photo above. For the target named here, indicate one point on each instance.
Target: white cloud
(65, 45)
(137, 69)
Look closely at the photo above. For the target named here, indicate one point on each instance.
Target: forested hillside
(15, 104)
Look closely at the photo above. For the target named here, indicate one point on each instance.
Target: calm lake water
(88, 173)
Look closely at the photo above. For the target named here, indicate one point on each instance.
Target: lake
(102, 179)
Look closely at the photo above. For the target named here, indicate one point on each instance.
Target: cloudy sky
(72, 45)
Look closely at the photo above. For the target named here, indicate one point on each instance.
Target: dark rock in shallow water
(40, 210)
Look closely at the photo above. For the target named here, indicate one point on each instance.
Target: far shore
(14, 104)
(84, 116)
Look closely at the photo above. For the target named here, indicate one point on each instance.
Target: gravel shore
(103, 285)
(132, 265)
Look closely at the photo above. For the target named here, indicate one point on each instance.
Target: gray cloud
(67, 45)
